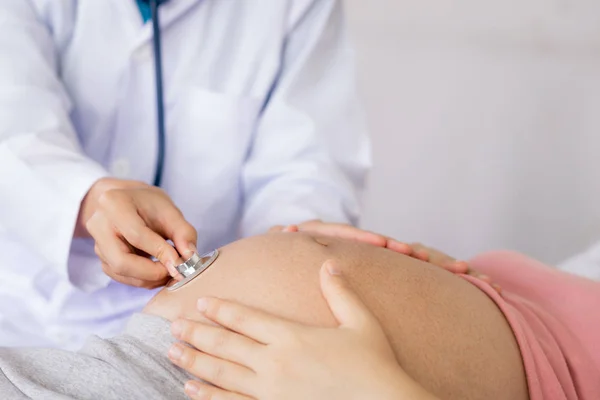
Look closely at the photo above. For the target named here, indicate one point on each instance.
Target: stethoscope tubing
(160, 105)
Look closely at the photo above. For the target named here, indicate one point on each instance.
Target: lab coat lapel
(175, 9)
(170, 12)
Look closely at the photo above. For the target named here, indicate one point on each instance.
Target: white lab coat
(263, 128)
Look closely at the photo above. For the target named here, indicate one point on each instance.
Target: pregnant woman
(440, 334)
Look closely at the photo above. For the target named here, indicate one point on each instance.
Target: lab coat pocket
(212, 134)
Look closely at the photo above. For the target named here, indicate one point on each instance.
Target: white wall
(485, 118)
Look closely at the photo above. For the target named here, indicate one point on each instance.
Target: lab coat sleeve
(311, 151)
(43, 172)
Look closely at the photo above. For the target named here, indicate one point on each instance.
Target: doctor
(261, 127)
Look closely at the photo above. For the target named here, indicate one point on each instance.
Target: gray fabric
(133, 365)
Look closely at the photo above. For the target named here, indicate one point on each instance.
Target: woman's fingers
(458, 267)
(421, 252)
(291, 228)
(202, 391)
(345, 304)
(276, 228)
(349, 232)
(224, 374)
(343, 231)
(399, 247)
(487, 279)
(422, 255)
(258, 325)
(217, 341)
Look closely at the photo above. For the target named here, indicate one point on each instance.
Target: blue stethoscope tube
(160, 104)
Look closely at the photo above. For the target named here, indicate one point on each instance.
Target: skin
(315, 374)
(269, 358)
(446, 334)
(131, 221)
(415, 250)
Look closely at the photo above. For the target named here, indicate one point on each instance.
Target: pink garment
(555, 318)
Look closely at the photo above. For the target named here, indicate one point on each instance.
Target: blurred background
(485, 120)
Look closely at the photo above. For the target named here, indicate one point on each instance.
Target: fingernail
(399, 246)
(463, 266)
(333, 269)
(171, 268)
(450, 266)
(175, 352)
(202, 305)
(189, 252)
(177, 328)
(192, 388)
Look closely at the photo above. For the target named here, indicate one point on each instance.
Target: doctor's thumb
(345, 304)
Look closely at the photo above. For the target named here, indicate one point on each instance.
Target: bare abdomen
(447, 334)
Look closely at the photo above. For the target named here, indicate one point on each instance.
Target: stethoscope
(160, 104)
(196, 264)
(193, 268)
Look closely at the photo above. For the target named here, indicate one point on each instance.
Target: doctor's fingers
(120, 258)
(152, 208)
(171, 224)
(130, 265)
(108, 270)
(133, 281)
(172, 270)
(127, 223)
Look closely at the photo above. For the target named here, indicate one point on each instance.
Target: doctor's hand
(131, 221)
(255, 355)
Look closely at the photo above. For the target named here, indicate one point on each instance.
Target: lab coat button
(120, 168)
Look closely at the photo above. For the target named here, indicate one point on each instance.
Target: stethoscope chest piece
(193, 267)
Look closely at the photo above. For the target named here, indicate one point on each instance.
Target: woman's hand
(443, 260)
(255, 355)
(350, 232)
(415, 250)
(131, 221)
